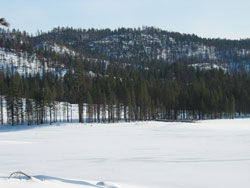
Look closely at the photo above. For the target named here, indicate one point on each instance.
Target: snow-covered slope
(146, 154)
(209, 66)
(22, 62)
(59, 49)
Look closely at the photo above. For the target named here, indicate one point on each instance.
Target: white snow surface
(59, 49)
(22, 62)
(209, 66)
(204, 154)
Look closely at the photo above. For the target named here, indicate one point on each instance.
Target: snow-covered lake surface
(205, 154)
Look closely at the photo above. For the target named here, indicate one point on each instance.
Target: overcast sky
(209, 18)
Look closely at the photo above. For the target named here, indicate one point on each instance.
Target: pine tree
(104, 105)
(232, 107)
(13, 99)
(29, 111)
(2, 92)
(89, 107)
(79, 87)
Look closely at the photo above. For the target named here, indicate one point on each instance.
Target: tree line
(173, 92)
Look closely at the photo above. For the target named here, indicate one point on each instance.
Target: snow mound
(106, 185)
(22, 180)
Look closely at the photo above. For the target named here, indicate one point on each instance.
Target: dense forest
(121, 75)
(174, 92)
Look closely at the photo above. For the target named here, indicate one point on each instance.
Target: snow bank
(52, 182)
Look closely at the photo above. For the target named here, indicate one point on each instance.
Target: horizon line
(116, 28)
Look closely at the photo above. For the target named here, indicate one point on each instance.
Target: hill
(131, 46)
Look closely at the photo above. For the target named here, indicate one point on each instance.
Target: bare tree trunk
(1, 108)
(80, 107)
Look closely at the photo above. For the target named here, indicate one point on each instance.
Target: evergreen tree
(79, 87)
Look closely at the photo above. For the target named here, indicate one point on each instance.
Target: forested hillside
(124, 74)
(129, 46)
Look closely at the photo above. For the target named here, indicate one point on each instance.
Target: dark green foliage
(173, 92)
(140, 88)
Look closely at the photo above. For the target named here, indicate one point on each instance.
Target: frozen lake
(207, 154)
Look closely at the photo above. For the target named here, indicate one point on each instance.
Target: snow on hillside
(59, 49)
(209, 66)
(204, 154)
(22, 62)
(157, 46)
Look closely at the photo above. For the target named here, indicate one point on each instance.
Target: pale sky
(210, 18)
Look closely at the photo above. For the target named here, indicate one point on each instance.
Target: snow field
(204, 154)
